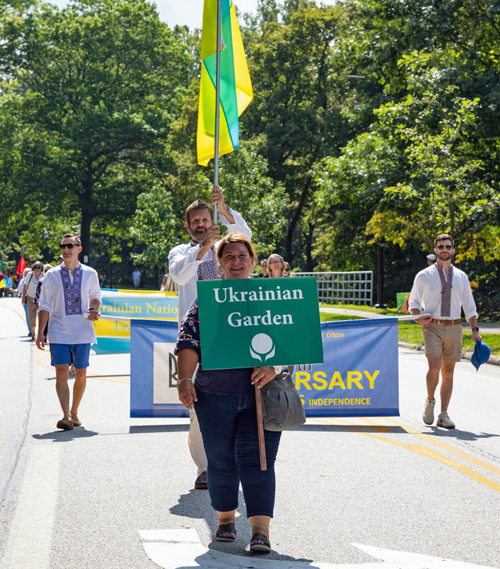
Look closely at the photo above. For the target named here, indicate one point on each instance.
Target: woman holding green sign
(225, 405)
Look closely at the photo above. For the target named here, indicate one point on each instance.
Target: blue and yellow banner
(113, 336)
(359, 376)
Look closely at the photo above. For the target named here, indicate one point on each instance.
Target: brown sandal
(66, 424)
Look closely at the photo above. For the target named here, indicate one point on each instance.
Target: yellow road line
(38, 358)
(105, 378)
(432, 440)
(418, 449)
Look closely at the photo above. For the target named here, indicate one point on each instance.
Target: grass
(412, 333)
(387, 312)
(393, 311)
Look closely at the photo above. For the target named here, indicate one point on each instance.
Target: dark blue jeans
(229, 428)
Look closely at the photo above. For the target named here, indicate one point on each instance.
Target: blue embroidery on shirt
(72, 291)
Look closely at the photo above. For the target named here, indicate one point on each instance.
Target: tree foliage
(374, 124)
(95, 89)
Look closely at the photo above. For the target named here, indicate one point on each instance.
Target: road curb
(494, 360)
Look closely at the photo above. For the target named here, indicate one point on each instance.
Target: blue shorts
(61, 354)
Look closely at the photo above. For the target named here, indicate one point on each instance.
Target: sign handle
(260, 429)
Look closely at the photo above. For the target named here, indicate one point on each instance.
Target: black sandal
(260, 543)
(226, 532)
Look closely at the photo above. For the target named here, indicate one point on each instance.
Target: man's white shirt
(63, 328)
(183, 265)
(426, 294)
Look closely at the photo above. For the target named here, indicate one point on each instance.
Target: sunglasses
(37, 268)
(447, 247)
(67, 245)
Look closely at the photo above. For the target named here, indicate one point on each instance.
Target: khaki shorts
(445, 341)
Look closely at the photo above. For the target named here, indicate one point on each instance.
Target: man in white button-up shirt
(69, 292)
(187, 264)
(442, 290)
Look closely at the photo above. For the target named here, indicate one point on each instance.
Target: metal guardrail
(354, 287)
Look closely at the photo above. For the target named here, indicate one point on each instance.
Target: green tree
(94, 92)
(299, 93)
(153, 226)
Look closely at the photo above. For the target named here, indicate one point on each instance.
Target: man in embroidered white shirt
(442, 290)
(69, 291)
(197, 261)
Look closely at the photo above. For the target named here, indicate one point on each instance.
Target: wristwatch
(475, 329)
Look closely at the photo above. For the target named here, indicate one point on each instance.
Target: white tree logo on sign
(262, 344)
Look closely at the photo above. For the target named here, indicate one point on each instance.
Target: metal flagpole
(260, 423)
(217, 103)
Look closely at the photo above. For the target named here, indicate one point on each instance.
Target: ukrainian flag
(235, 85)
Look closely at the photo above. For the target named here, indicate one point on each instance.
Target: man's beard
(447, 255)
(198, 235)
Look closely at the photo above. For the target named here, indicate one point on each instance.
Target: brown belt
(446, 322)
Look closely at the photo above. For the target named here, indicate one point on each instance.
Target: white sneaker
(428, 415)
(445, 421)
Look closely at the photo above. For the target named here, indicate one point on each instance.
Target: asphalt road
(117, 492)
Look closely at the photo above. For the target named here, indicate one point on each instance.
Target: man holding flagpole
(225, 92)
(197, 261)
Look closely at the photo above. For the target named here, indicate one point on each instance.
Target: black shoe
(260, 543)
(226, 532)
(201, 481)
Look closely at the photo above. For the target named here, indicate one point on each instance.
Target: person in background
(19, 292)
(225, 404)
(195, 261)
(275, 266)
(71, 296)
(46, 269)
(29, 291)
(20, 285)
(60, 260)
(136, 278)
(442, 290)
(263, 267)
(5, 283)
(167, 284)
(431, 259)
(286, 272)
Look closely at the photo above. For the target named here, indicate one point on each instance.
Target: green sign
(401, 299)
(1, 264)
(252, 322)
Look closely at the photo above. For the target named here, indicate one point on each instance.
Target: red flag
(20, 267)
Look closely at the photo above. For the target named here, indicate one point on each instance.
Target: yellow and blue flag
(235, 85)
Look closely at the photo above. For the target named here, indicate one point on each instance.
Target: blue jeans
(229, 428)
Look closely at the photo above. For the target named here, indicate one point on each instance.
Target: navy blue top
(236, 382)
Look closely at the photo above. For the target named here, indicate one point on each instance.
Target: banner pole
(217, 103)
